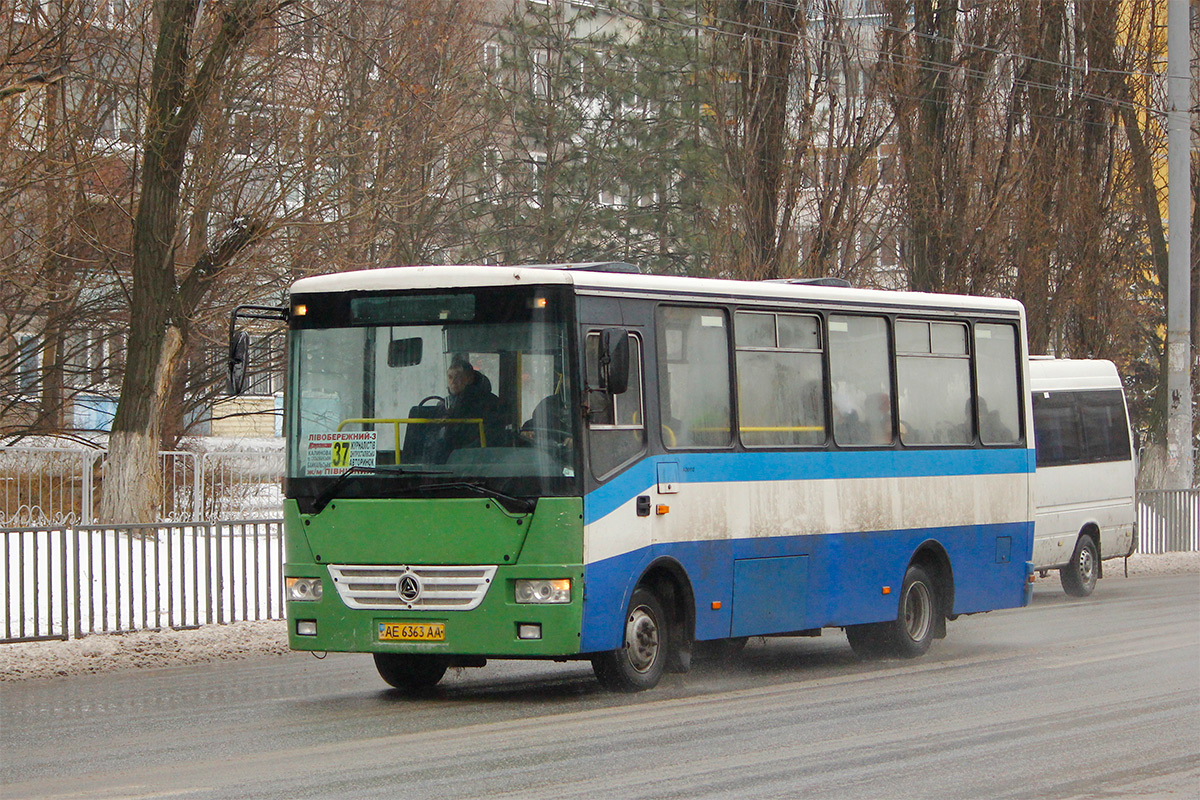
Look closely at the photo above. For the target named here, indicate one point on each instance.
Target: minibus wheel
(1079, 577)
(407, 671)
(639, 663)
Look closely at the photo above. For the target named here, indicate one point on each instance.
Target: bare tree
(759, 58)
(191, 59)
(802, 123)
(849, 165)
(343, 133)
(1028, 151)
(409, 119)
(62, 186)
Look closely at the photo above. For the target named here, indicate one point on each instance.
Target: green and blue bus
(581, 462)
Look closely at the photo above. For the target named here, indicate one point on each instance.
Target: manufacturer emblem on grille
(409, 587)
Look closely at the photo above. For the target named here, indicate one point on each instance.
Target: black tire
(409, 672)
(865, 640)
(1079, 577)
(911, 633)
(639, 663)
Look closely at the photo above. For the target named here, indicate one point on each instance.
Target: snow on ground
(102, 652)
(149, 649)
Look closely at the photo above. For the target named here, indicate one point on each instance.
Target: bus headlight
(304, 588)
(544, 591)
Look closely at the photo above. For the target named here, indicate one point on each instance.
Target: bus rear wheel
(637, 665)
(911, 633)
(409, 672)
(1079, 577)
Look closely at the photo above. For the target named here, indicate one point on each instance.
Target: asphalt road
(1096, 698)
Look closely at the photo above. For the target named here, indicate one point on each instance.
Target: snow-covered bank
(103, 652)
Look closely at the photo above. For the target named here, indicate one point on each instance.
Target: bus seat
(420, 439)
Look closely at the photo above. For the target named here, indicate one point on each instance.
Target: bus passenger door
(616, 432)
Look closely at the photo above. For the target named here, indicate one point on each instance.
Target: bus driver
(470, 397)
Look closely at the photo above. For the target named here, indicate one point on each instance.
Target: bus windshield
(450, 390)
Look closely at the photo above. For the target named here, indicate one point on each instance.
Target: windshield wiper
(519, 503)
(331, 491)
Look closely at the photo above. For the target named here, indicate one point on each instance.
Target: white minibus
(1084, 485)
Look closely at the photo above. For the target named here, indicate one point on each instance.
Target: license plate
(412, 631)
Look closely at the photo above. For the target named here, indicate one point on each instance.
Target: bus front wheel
(911, 633)
(409, 672)
(639, 663)
(1079, 577)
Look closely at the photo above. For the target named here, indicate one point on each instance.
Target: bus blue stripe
(844, 574)
(820, 465)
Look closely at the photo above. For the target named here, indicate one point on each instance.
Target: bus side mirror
(405, 352)
(614, 360)
(239, 355)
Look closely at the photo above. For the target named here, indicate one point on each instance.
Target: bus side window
(996, 361)
(933, 374)
(616, 422)
(862, 388)
(780, 379)
(693, 358)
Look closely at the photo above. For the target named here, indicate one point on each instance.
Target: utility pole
(1179, 361)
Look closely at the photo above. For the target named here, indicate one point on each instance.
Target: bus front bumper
(499, 627)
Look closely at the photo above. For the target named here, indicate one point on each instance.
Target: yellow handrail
(395, 422)
(777, 428)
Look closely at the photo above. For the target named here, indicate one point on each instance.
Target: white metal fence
(45, 487)
(62, 582)
(1169, 521)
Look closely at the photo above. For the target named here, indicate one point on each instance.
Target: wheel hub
(917, 611)
(641, 639)
(1086, 565)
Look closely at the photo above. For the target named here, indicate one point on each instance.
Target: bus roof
(1058, 374)
(623, 283)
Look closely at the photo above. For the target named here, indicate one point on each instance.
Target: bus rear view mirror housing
(405, 352)
(238, 368)
(614, 360)
(239, 355)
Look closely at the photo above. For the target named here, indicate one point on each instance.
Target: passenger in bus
(879, 418)
(847, 422)
(991, 428)
(549, 423)
(549, 426)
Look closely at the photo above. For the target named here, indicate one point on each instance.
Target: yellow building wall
(248, 416)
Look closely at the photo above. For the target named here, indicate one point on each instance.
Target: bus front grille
(420, 588)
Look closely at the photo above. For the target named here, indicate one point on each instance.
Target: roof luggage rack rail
(838, 282)
(586, 266)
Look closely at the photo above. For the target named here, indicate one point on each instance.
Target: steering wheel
(435, 397)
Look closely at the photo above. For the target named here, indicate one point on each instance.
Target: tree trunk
(182, 82)
(934, 21)
(131, 476)
(756, 154)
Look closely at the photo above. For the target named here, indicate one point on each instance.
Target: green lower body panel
(491, 629)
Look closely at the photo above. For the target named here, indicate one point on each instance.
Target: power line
(749, 29)
(1074, 91)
